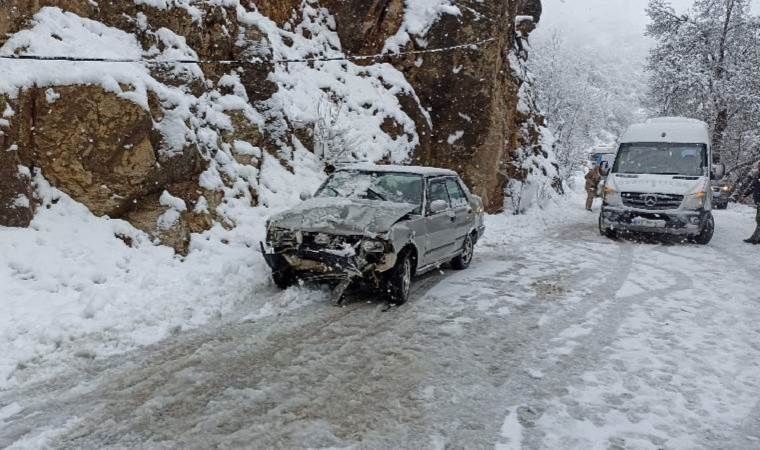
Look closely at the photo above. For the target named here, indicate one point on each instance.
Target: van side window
(458, 198)
(437, 191)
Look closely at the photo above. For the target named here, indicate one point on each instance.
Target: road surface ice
(554, 338)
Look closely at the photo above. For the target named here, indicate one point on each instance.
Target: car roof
(417, 170)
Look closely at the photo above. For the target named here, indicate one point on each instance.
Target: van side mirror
(718, 171)
(438, 206)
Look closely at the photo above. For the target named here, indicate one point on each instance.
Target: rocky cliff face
(175, 148)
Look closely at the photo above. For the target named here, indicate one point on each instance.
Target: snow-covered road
(554, 338)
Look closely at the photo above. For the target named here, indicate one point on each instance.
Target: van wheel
(463, 261)
(399, 281)
(707, 233)
(608, 233)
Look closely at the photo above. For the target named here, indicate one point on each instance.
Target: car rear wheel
(464, 259)
(399, 281)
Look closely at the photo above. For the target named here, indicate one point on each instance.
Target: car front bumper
(681, 223)
(322, 265)
(721, 197)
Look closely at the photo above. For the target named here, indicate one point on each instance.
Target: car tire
(707, 233)
(722, 205)
(463, 261)
(399, 281)
(609, 234)
(283, 280)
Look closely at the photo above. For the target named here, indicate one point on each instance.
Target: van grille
(652, 202)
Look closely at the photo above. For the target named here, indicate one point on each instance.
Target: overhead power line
(473, 46)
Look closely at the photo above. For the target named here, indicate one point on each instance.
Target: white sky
(615, 24)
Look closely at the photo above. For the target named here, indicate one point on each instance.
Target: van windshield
(662, 159)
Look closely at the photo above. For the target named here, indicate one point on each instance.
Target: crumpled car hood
(342, 216)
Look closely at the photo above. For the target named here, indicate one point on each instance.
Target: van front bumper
(681, 223)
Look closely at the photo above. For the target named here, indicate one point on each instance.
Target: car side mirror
(438, 206)
(305, 196)
(718, 171)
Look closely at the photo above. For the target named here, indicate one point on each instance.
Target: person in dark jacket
(754, 189)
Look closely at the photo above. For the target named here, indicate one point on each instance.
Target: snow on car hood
(342, 216)
(659, 184)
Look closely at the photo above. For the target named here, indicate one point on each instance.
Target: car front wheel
(283, 280)
(463, 261)
(399, 282)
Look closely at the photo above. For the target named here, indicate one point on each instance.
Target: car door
(463, 212)
(439, 226)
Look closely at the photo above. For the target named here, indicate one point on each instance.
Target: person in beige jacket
(593, 177)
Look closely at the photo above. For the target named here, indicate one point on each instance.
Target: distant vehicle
(376, 224)
(721, 193)
(660, 182)
(603, 155)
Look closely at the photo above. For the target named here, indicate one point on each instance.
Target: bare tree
(333, 140)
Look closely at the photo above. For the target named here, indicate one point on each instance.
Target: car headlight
(322, 239)
(726, 189)
(371, 246)
(695, 201)
(279, 235)
(612, 197)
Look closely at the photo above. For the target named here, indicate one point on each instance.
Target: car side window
(437, 191)
(458, 198)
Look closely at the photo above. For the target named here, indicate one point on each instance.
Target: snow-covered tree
(705, 65)
(589, 99)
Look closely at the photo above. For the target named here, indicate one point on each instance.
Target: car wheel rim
(467, 252)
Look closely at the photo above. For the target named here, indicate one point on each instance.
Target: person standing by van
(593, 177)
(755, 190)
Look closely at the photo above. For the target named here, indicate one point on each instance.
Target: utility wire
(473, 46)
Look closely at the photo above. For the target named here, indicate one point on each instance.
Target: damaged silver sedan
(379, 225)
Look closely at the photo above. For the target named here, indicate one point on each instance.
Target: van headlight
(695, 201)
(612, 197)
(371, 246)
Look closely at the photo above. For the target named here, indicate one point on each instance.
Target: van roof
(668, 129)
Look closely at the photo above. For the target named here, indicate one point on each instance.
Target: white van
(660, 182)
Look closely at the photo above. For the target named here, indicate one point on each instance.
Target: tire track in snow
(594, 351)
(559, 371)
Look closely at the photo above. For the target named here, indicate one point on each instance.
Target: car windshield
(662, 159)
(385, 186)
